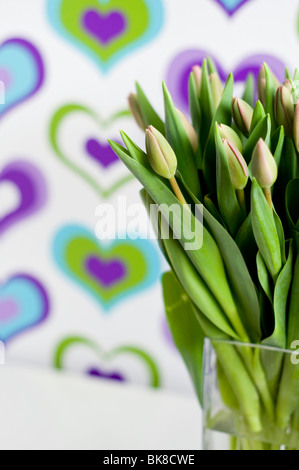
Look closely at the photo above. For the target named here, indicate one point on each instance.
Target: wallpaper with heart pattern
(68, 299)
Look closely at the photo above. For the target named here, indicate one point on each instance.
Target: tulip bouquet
(238, 158)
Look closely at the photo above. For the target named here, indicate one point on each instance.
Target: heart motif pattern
(21, 72)
(231, 6)
(109, 273)
(106, 30)
(106, 375)
(100, 153)
(24, 304)
(181, 65)
(142, 357)
(31, 186)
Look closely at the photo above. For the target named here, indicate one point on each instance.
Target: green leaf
(292, 206)
(270, 94)
(293, 320)
(243, 288)
(195, 287)
(179, 141)
(223, 115)
(277, 142)
(148, 201)
(288, 164)
(281, 293)
(262, 130)
(227, 393)
(209, 204)
(258, 115)
(135, 151)
(264, 277)
(288, 396)
(185, 329)
(248, 94)
(149, 114)
(206, 104)
(227, 200)
(195, 112)
(280, 233)
(211, 65)
(246, 241)
(264, 230)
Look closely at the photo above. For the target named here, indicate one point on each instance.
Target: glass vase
(250, 397)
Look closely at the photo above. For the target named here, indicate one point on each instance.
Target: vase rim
(248, 344)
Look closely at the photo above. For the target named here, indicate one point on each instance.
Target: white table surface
(48, 409)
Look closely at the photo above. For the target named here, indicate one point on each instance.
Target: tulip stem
(177, 191)
(268, 195)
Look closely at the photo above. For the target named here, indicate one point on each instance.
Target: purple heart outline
(231, 10)
(101, 153)
(9, 80)
(104, 27)
(95, 372)
(31, 186)
(106, 272)
(14, 312)
(179, 70)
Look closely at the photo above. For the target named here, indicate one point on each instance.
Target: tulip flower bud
(296, 126)
(190, 131)
(262, 90)
(136, 111)
(196, 70)
(216, 89)
(284, 109)
(263, 165)
(288, 84)
(160, 154)
(262, 84)
(237, 165)
(228, 133)
(242, 115)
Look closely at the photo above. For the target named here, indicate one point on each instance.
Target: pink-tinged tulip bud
(242, 115)
(262, 90)
(190, 131)
(237, 165)
(284, 109)
(296, 126)
(228, 133)
(196, 70)
(288, 84)
(262, 84)
(216, 89)
(136, 111)
(160, 154)
(263, 165)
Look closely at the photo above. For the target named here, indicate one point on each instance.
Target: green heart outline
(155, 379)
(130, 256)
(55, 124)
